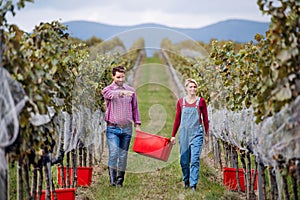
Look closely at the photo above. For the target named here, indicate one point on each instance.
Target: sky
(172, 13)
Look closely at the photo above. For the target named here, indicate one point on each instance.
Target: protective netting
(12, 101)
(94, 128)
(63, 128)
(38, 119)
(274, 136)
(280, 134)
(85, 126)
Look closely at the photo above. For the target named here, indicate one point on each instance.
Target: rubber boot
(120, 178)
(112, 176)
(186, 185)
(194, 188)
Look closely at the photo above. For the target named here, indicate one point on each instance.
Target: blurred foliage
(45, 63)
(8, 6)
(264, 74)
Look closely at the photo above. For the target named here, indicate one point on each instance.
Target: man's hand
(125, 92)
(138, 127)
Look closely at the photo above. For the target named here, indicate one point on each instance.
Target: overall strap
(183, 102)
(197, 105)
(198, 101)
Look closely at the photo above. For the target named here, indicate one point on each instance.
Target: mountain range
(234, 29)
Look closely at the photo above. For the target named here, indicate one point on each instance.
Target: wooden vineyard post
(3, 184)
(283, 169)
(90, 155)
(219, 154)
(74, 168)
(236, 164)
(34, 179)
(20, 179)
(253, 181)
(248, 174)
(261, 181)
(274, 189)
(292, 170)
(84, 156)
(41, 180)
(80, 150)
(67, 170)
(26, 174)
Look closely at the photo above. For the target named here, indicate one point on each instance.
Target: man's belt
(119, 125)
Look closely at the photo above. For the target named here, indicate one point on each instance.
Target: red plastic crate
(151, 145)
(229, 179)
(84, 176)
(62, 194)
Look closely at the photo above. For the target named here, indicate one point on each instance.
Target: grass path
(148, 178)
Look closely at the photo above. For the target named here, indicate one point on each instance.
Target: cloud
(174, 13)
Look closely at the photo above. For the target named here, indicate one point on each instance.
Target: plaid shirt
(120, 110)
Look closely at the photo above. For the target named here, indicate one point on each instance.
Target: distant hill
(235, 30)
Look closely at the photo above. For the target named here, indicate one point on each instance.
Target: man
(121, 113)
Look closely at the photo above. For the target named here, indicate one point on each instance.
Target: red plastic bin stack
(62, 194)
(230, 181)
(84, 176)
(151, 145)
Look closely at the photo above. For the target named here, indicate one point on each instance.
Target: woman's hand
(206, 138)
(173, 140)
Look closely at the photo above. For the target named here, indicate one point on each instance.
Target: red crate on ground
(151, 145)
(229, 179)
(84, 176)
(62, 194)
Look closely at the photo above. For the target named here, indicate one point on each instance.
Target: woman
(191, 113)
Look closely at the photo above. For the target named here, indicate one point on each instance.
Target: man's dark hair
(120, 69)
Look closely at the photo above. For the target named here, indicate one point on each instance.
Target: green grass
(162, 184)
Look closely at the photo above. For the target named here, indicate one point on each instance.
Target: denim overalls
(191, 140)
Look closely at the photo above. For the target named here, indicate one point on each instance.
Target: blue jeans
(118, 140)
